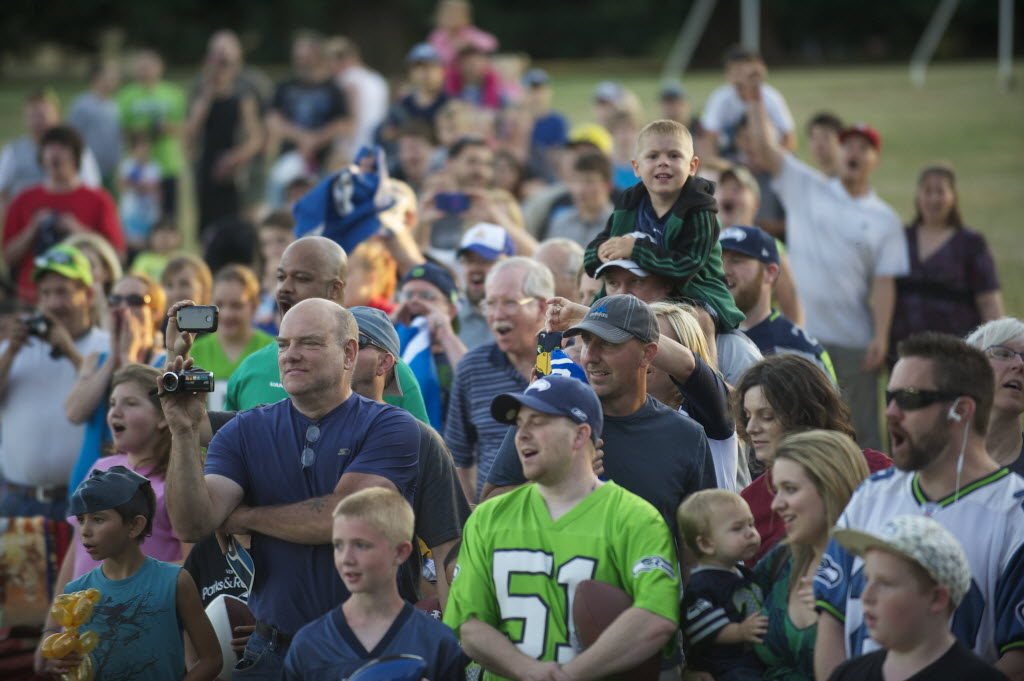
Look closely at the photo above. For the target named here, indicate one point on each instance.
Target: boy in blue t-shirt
(145, 604)
(721, 609)
(372, 532)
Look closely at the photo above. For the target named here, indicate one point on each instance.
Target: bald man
(311, 267)
(277, 472)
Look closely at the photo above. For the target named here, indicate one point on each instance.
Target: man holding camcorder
(38, 364)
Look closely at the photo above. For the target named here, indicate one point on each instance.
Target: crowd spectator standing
(481, 247)
(1002, 341)
(38, 451)
(286, 492)
(156, 107)
(940, 396)
(844, 264)
(96, 117)
(20, 162)
(44, 214)
(365, 90)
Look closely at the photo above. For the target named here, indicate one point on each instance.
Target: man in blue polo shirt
(277, 472)
(750, 260)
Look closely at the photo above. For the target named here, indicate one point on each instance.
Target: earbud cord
(960, 463)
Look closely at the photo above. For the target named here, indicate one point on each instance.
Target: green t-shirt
(151, 264)
(208, 354)
(518, 569)
(258, 381)
(141, 108)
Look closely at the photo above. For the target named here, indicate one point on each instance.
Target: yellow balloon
(82, 611)
(62, 614)
(64, 599)
(87, 641)
(86, 670)
(46, 650)
(93, 595)
(64, 645)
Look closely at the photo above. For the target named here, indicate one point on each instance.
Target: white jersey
(987, 519)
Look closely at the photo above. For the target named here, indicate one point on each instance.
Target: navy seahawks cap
(104, 490)
(553, 394)
(618, 318)
(750, 241)
(422, 52)
(433, 274)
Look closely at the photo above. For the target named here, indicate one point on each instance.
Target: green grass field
(959, 117)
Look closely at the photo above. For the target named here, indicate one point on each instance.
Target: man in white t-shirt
(940, 396)
(847, 247)
(38, 365)
(365, 90)
(725, 109)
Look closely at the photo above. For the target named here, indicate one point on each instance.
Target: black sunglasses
(132, 299)
(909, 399)
(366, 342)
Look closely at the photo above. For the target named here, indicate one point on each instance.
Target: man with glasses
(38, 366)
(426, 322)
(517, 290)
(278, 471)
(939, 399)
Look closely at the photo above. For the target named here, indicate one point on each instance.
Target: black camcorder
(194, 380)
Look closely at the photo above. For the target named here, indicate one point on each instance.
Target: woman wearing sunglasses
(1002, 341)
(135, 311)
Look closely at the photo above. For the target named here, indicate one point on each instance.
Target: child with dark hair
(144, 604)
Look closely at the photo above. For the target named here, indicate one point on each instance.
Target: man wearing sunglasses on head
(938, 403)
(278, 471)
(39, 362)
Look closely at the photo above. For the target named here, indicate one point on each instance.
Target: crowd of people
(470, 356)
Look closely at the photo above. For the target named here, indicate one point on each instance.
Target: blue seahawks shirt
(988, 521)
(777, 335)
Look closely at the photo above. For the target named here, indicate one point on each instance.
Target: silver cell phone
(198, 318)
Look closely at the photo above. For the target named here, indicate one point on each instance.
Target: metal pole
(925, 49)
(682, 50)
(750, 24)
(1006, 44)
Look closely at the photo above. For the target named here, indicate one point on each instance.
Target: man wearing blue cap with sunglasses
(524, 553)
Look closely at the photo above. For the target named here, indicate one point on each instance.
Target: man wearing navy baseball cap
(567, 527)
(750, 260)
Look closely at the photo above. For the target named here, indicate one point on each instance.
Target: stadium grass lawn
(959, 116)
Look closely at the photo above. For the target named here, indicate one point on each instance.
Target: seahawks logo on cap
(733, 233)
(538, 386)
(418, 272)
(578, 413)
(599, 311)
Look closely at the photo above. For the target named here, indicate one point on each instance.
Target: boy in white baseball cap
(917, 574)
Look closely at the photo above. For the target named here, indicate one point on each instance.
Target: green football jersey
(518, 569)
(257, 380)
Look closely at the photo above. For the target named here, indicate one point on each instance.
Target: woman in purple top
(952, 285)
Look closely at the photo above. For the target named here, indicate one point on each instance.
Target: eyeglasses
(909, 399)
(406, 296)
(308, 453)
(1003, 353)
(506, 306)
(131, 299)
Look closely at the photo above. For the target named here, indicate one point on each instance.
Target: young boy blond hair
(666, 223)
(144, 603)
(917, 574)
(373, 531)
(721, 608)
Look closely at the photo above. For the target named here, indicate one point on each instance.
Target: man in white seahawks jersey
(938, 403)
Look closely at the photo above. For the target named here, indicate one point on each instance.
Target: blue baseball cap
(487, 240)
(750, 241)
(535, 78)
(433, 274)
(422, 52)
(557, 395)
(378, 329)
(104, 490)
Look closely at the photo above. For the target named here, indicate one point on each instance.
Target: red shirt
(92, 207)
(759, 495)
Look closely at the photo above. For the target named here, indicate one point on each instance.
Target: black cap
(104, 490)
